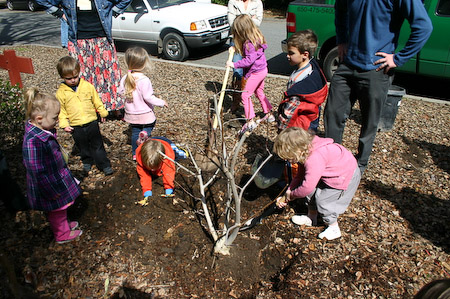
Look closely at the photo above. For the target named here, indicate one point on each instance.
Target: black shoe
(108, 171)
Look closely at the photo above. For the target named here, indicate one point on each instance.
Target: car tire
(174, 47)
(31, 5)
(10, 5)
(331, 63)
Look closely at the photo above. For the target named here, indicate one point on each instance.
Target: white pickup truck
(174, 25)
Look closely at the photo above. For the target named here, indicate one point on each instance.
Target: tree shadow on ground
(431, 222)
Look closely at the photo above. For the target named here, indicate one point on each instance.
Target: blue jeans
(135, 130)
(370, 88)
(64, 33)
(237, 73)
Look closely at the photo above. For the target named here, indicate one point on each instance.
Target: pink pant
(59, 224)
(255, 85)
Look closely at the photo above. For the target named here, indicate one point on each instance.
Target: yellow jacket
(79, 107)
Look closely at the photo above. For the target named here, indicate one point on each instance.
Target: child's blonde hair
(244, 29)
(304, 40)
(151, 158)
(67, 66)
(293, 144)
(137, 60)
(37, 103)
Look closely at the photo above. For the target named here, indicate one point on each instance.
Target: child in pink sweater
(328, 177)
(140, 99)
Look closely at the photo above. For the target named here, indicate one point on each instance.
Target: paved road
(23, 27)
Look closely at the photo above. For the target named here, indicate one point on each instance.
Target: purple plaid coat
(50, 184)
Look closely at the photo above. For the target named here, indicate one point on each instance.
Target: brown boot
(236, 85)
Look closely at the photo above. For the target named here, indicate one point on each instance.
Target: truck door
(434, 56)
(136, 23)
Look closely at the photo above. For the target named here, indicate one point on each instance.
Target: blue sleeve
(421, 28)
(51, 6)
(121, 5)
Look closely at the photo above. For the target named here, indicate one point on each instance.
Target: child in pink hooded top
(327, 178)
(140, 99)
(250, 43)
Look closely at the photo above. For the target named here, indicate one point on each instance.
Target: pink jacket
(253, 60)
(143, 97)
(328, 162)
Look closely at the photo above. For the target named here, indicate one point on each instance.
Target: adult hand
(342, 51)
(386, 63)
(230, 64)
(68, 129)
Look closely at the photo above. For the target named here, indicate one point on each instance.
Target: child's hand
(288, 195)
(102, 119)
(68, 129)
(166, 105)
(281, 202)
(230, 64)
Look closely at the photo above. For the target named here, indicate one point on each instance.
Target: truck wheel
(31, 5)
(10, 5)
(331, 63)
(174, 47)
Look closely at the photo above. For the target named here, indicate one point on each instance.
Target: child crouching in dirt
(328, 177)
(151, 164)
(51, 186)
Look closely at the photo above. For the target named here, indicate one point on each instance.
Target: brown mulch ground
(395, 233)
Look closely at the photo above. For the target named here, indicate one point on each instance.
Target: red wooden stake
(15, 65)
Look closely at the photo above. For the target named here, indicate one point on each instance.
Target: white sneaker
(330, 233)
(248, 126)
(302, 220)
(268, 117)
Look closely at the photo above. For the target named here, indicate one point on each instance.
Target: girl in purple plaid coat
(50, 184)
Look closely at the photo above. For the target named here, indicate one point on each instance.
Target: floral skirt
(99, 65)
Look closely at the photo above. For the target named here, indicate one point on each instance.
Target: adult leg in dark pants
(90, 142)
(370, 88)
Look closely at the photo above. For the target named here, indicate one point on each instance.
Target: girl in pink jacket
(328, 177)
(250, 43)
(138, 91)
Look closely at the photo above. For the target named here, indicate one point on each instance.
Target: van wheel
(10, 5)
(31, 5)
(331, 63)
(174, 47)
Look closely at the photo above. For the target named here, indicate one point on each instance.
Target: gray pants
(332, 202)
(370, 88)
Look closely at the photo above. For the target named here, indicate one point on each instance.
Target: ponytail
(137, 60)
(130, 86)
(36, 103)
